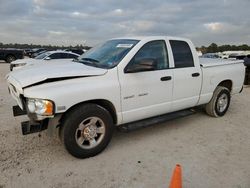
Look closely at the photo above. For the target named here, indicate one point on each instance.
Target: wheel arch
(101, 102)
(226, 83)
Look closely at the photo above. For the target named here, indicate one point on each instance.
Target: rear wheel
(219, 103)
(10, 58)
(87, 130)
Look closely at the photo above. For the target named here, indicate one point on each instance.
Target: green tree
(212, 48)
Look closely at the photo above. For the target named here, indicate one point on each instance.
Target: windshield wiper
(90, 59)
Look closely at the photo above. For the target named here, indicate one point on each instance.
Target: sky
(73, 22)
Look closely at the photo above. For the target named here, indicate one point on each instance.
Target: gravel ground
(213, 152)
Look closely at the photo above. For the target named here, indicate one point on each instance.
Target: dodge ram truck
(121, 82)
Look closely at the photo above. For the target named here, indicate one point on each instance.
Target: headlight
(40, 107)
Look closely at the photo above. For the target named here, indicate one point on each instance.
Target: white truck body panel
(38, 73)
(134, 96)
(213, 74)
(210, 62)
(186, 88)
(142, 94)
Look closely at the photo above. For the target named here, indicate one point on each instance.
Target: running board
(155, 120)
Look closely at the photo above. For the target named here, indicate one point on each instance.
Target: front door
(146, 91)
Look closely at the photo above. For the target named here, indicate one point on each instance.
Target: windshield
(108, 54)
(43, 55)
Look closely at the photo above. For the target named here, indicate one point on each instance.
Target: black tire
(213, 108)
(70, 129)
(10, 58)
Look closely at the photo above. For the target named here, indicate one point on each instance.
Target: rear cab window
(182, 54)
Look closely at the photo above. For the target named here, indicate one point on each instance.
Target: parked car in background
(44, 57)
(233, 56)
(75, 50)
(38, 53)
(10, 54)
(247, 61)
(35, 50)
(210, 55)
(247, 64)
(27, 51)
(241, 57)
(226, 54)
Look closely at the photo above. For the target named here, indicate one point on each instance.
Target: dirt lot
(214, 152)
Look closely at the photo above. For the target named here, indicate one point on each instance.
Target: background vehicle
(75, 50)
(27, 51)
(226, 54)
(247, 61)
(210, 55)
(38, 53)
(35, 50)
(51, 55)
(122, 82)
(234, 56)
(10, 55)
(242, 56)
(247, 64)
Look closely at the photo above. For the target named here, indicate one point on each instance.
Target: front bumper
(29, 127)
(17, 111)
(32, 126)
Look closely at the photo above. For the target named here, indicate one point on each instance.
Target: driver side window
(154, 51)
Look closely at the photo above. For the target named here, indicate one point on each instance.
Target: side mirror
(141, 65)
(47, 58)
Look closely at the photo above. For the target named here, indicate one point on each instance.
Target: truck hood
(42, 73)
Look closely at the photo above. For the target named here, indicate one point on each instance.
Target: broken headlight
(40, 107)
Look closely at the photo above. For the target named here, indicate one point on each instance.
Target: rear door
(187, 76)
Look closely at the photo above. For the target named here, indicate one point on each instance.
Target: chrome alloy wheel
(90, 132)
(222, 102)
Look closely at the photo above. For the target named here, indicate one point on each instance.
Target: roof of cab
(152, 38)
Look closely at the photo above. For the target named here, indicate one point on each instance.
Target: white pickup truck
(121, 82)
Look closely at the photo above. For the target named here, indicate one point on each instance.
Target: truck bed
(209, 62)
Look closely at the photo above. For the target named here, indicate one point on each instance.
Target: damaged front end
(38, 114)
(31, 126)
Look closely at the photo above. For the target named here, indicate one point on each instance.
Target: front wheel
(219, 103)
(87, 130)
